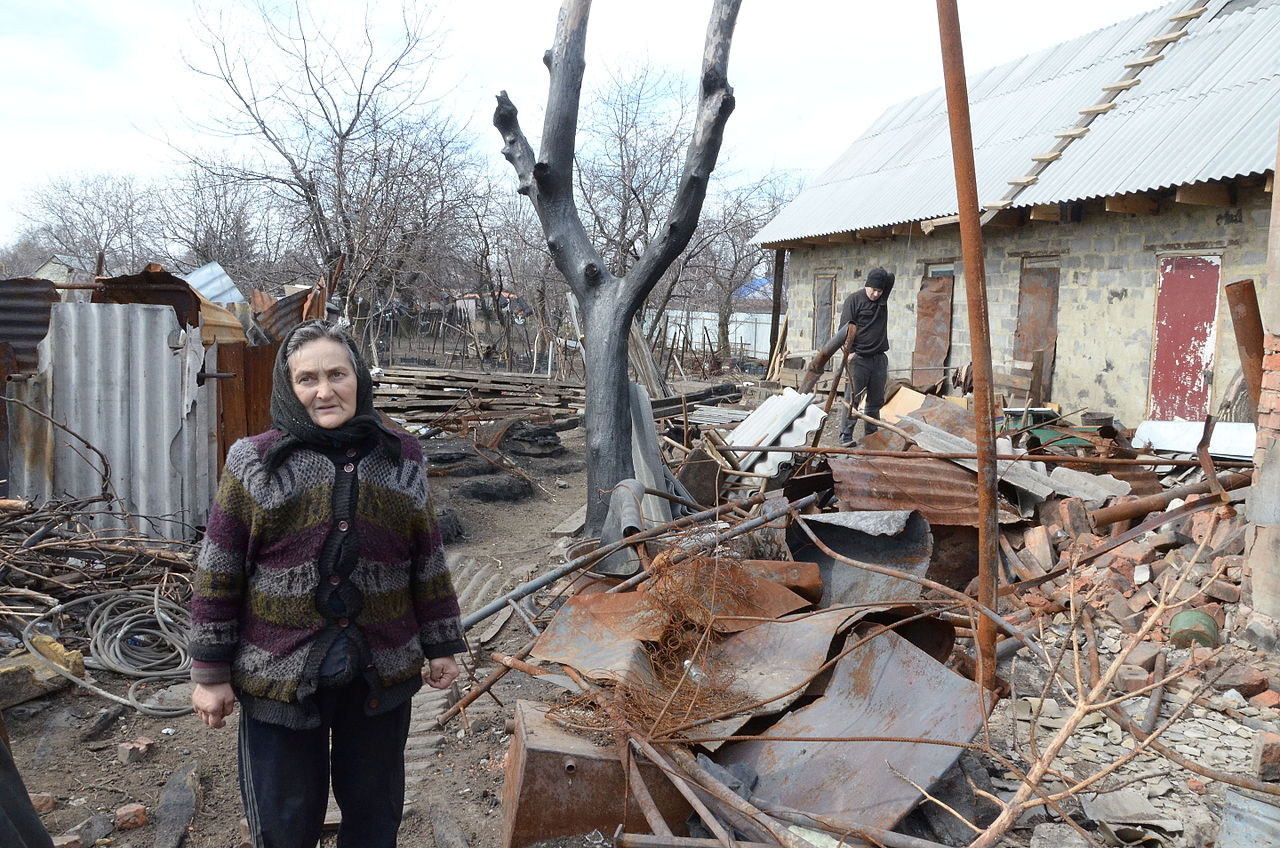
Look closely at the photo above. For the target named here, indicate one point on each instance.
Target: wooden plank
(1029, 179)
(1121, 85)
(1145, 61)
(1204, 194)
(1073, 133)
(1132, 204)
(1189, 15)
(1047, 212)
(1166, 38)
(1098, 108)
(1052, 156)
(572, 525)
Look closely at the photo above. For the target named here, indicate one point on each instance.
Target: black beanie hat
(879, 278)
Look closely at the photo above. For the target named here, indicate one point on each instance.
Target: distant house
(62, 270)
(1125, 177)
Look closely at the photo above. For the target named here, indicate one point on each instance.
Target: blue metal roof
(1210, 109)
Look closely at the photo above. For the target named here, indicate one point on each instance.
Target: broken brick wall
(1264, 508)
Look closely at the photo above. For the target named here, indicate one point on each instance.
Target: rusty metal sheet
(1038, 320)
(288, 312)
(905, 550)
(944, 493)
(1182, 350)
(885, 689)
(154, 286)
(24, 317)
(933, 330)
(601, 635)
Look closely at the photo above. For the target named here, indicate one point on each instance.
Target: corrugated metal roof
(1208, 110)
(107, 372)
(212, 282)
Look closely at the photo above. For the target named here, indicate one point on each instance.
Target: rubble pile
(777, 642)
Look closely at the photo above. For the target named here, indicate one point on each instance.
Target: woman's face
(324, 379)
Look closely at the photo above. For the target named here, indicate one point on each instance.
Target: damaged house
(1125, 177)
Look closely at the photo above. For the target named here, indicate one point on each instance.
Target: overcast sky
(100, 86)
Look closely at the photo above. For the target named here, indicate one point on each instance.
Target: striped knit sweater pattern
(255, 619)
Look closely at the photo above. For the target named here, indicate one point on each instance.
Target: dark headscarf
(290, 417)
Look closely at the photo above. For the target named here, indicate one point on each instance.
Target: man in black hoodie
(867, 309)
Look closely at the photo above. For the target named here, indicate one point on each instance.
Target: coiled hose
(133, 632)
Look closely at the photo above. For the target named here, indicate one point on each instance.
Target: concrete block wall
(1106, 300)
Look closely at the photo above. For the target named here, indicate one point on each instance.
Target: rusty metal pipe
(1128, 510)
(1246, 318)
(975, 283)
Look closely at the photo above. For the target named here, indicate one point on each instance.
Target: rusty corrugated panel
(24, 317)
(1182, 355)
(154, 286)
(283, 315)
(944, 493)
(933, 330)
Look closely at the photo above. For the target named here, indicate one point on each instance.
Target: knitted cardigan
(255, 620)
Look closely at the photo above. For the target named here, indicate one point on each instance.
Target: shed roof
(1209, 109)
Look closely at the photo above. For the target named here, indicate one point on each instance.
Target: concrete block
(1266, 756)
(131, 817)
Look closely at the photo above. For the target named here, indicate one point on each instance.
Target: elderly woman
(322, 602)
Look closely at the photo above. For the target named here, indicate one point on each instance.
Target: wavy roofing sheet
(1208, 110)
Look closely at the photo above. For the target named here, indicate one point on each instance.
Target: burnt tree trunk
(609, 303)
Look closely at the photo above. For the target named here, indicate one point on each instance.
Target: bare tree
(609, 302)
(83, 214)
(347, 143)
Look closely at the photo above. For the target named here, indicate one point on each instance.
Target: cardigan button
(344, 622)
(351, 452)
(343, 526)
(349, 467)
(373, 704)
(335, 580)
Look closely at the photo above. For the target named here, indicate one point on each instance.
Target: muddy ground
(460, 793)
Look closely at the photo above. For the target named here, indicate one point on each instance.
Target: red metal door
(1182, 350)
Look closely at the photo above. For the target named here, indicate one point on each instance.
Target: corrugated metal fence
(124, 377)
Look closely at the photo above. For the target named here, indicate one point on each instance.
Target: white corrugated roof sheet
(1209, 110)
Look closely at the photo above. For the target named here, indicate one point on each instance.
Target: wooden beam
(1189, 15)
(841, 238)
(1074, 132)
(945, 221)
(1098, 108)
(1030, 179)
(997, 205)
(1132, 204)
(1052, 156)
(1122, 85)
(1145, 61)
(1204, 194)
(1006, 218)
(1047, 212)
(875, 233)
(911, 228)
(782, 245)
(1271, 182)
(1167, 38)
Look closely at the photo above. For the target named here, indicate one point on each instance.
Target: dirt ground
(460, 794)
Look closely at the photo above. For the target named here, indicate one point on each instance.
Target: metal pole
(979, 329)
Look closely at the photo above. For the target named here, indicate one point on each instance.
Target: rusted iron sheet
(904, 546)
(559, 783)
(1038, 320)
(601, 635)
(290, 311)
(729, 596)
(8, 365)
(1182, 350)
(153, 286)
(24, 317)
(887, 689)
(933, 330)
(944, 493)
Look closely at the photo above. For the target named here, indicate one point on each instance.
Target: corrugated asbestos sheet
(110, 373)
(1208, 110)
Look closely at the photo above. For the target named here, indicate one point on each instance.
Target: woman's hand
(214, 702)
(440, 672)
